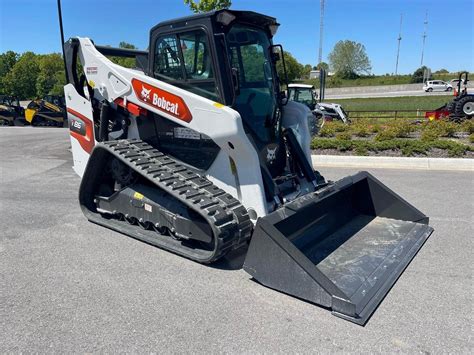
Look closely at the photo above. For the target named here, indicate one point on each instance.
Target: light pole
(424, 37)
(321, 27)
(399, 40)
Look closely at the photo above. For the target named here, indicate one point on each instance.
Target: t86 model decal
(81, 128)
(162, 100)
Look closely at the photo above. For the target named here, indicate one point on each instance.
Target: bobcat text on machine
(197, 151)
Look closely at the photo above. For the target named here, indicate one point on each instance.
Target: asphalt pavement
(69, 286)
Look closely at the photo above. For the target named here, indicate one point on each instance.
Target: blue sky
(33, 25)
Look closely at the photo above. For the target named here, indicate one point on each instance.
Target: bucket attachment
(342, 248)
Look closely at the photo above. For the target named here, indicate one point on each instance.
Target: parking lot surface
(67, 285)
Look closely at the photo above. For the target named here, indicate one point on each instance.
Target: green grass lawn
(423, 103)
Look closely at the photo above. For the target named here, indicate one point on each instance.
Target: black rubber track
(227, 217)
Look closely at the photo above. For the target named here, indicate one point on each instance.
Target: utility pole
(399, 40)
(321, 27)
(424, 37)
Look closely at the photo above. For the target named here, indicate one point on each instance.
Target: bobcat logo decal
(271, 154)
(145, 94)
(160, 99)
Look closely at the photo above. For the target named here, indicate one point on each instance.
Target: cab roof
(240, 16)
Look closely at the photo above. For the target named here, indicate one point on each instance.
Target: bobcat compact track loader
(197, 151)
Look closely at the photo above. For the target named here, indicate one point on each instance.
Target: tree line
(31, 75)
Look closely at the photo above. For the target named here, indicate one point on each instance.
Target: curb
(344, 161)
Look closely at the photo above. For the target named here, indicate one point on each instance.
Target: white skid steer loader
(196, 152)
(323, 111)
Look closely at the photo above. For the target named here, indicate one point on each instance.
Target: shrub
(339, 126)
(454, 149)
(414, 147)
(360, 149)
(471, 138)
(408, 147)
(385, 135)
(374, 128)
(457, 151)
(327, 131)
(345, 136)
(323, 143)
(467, 126)
(330, 128)
(429, 135)
(344, 145)
(401, 128)
(360, 129)
(435, 129)
(447, 128)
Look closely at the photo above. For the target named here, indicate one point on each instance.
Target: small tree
(49, 66)
(349, 59)
(21, 79)
(442, 71)
(207, 5)
(323, 65)
(59, 80)
(294, 69)
(7, 62)
(124, 62)
(306, 71)
(418, 75)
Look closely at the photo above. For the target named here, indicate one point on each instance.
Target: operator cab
(304, 94)
(228, 57)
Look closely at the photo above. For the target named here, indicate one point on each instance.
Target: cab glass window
(167, 58)
(184, 59)
(196, 55)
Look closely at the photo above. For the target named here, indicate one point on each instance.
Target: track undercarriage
(135, 189)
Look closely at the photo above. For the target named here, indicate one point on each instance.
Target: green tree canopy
(50, 68)
(323, 65)
(306, 70)
(294, 69)
(417, 76)
(207, 5)
(349, 59)
(7, 62)
(124, 62)
(21, 79)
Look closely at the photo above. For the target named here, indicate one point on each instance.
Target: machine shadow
(232, 261)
